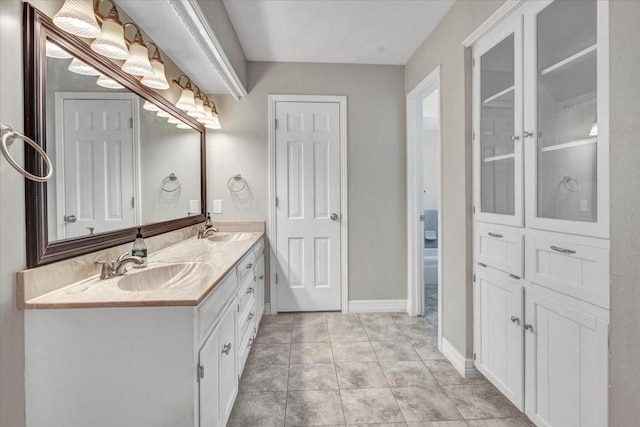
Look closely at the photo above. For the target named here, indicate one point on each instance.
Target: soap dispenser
(209, 223)
(139, 249)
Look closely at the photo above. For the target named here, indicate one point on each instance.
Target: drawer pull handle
(528, 326)
(227, 348)
(250, 290)
(516, 320)
(513, 276)
(249, 266)
(497, 236)
(482, 265)
(250, 316)
(250, 342)
(563, 250)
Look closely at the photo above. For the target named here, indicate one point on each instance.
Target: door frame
(415, 246)
(344, 208)
(60, 97)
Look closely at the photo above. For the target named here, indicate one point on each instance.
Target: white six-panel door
(99, 184)
(308, 210)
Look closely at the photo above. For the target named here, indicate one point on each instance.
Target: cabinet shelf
(570, 60)
(501, 157)
(504, 96)
(571, 144)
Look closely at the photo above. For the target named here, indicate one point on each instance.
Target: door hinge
(133, 202)
(421, 218)
(473, 62)
(200, 372)
(474, 277)
(473, 209)
(276, 124)
(473, 136)
(238, 308)
(474, 356)
(276, 202)
(130, 122)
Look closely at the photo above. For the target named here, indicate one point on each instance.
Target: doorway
(424, 201)
(308, 215)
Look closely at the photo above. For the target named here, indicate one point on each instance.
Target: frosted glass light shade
(594, 129)
(199, 110)
(55, 51)
(207, 118)
(111, 43)
(163, 114)
(138, 62)
(158, 80)
(80, 67)
(186, 102)
(173, 120)
(150, 106)
(78, 18)
(109, 83)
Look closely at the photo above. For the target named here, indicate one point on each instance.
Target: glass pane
(497, 128)
(567, 111)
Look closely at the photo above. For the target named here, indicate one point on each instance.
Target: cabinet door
(498, 117)
(208, 380)
(566, 364)
(499, 349)
(227, 372)
(258, 272)
(566, 117)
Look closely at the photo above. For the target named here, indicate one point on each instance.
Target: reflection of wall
(431, 169)
(165, 149)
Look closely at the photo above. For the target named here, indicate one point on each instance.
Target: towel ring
(566, 180)
(8, 137)
(171, 178)
(236, 177)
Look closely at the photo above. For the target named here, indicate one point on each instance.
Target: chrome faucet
(205, 231)
(111, 269)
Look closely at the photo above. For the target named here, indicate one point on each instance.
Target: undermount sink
(230, 237)
(170, 276)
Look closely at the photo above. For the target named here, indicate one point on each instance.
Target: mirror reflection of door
(96, 189)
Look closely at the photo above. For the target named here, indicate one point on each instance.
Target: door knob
(70, 218)
(334, 217)
(226, 348)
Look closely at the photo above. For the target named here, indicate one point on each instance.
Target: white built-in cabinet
(144, 366)
(541, 202)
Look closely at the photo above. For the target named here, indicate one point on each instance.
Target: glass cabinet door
(499, 146)
(566, 158)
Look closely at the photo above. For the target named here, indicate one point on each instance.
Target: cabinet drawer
(245, 266)
(211, 308)
(577, 270)
(246, 291)
(258, 249)
(500, 249)
(245, 347)
(246, 318)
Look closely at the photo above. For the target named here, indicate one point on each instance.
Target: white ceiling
(334, 31)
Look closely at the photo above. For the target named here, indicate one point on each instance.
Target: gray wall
(625, 214)
(376, 161)
(444, 47)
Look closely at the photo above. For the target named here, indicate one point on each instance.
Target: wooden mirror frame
(37, 28)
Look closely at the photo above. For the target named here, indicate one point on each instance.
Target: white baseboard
(379, 306)
(267, 309)
(464, 366)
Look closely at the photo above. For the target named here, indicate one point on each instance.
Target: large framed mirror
(124, 157)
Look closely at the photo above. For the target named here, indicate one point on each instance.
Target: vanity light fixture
(80, 67)
(150, 106)
(594, 129)
(138, 63)
(111, 42)
(109, 83)
(55, 51)
(198, 113)
(78, 18)
(207, 118)
(158, 80)
(187, 98)
(215, 124)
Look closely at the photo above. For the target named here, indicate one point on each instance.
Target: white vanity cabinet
(541, 177)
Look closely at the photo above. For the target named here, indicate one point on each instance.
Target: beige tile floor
(360, 369)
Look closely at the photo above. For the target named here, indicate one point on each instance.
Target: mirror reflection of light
(80, 67)
(108, 83)
(150, 106)
(163, 114)
(183, 126)
(55, 51)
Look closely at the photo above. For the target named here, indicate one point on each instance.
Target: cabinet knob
(251, 316)
(250, 290)
(527, 134)
(249, 266)
(516, 320)
(334, 217)
(528, 326)
(515, 137)
(227, 348)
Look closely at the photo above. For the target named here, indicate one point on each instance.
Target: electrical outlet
(217, 206)
(194, 206)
